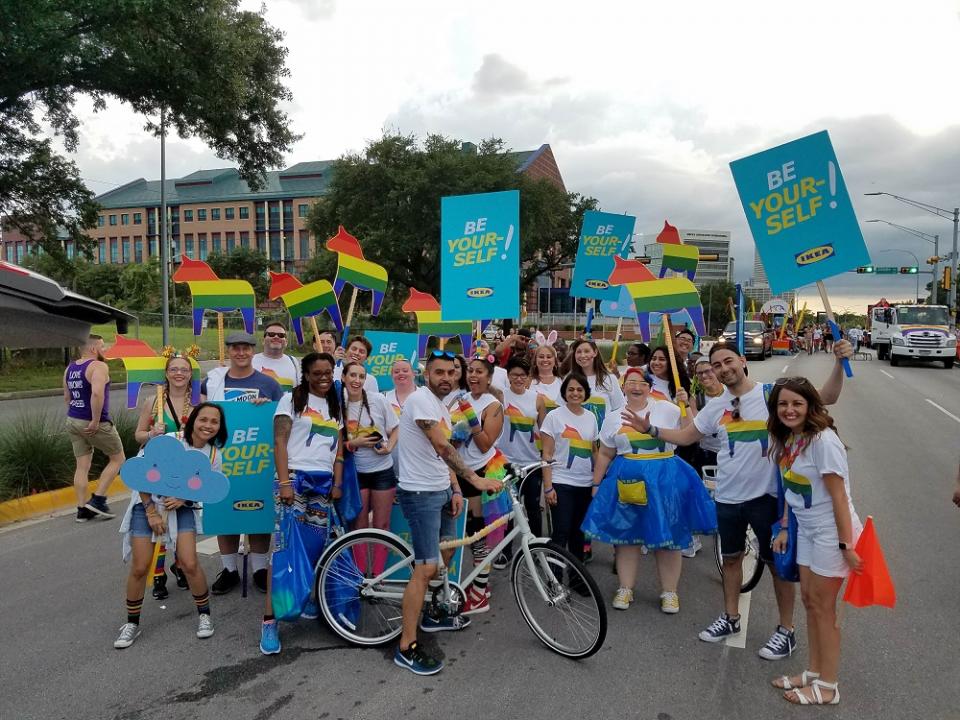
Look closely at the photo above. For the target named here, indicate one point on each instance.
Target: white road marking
(943, 410)
(888, 374)
(208, 546)
(740, 640)
(784, 368)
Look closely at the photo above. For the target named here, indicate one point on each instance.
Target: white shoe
(695, 547)
(669, 603)
(623, 598)
(205, 627)
(128, 633)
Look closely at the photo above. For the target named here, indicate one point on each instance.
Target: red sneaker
(476, 603)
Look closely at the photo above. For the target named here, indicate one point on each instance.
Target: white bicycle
(752, 564)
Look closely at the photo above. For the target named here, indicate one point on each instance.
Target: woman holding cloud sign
(172, 476)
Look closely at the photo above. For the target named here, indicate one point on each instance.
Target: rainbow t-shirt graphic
(579, 448)
(598, 406)
(519, 422)
(319, 425)
(744, 431)
(794, 482)
(641, 441)
(286, 384)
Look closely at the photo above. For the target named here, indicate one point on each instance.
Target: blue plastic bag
(785, 563)
(350, 503)
(292, 571)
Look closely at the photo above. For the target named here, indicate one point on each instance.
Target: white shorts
(818, 546)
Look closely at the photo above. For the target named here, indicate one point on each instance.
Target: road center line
(740, 640)
(943, 410)
(208, 546)
(784, 368)
(888, 374)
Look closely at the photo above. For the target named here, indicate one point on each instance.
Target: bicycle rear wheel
(356, 608)
(573, 622)
(752, 564)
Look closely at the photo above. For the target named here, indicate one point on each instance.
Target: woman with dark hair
(663, 385)
(638, 355)
(358, 350)
(518, 440)
(816, 486)
(309, 460)
(605, 395)
(177, 520)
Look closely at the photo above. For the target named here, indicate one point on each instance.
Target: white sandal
(805, 678)
(817, 695)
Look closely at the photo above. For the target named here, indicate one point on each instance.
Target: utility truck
(913, 332)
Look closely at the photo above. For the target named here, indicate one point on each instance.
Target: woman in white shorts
(816, 482)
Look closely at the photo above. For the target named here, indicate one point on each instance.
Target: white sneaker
(669, 603)
(128, 633)
(623, 598)
(205, 627)
(695, 547)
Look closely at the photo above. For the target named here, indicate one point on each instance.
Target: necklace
(792, 449)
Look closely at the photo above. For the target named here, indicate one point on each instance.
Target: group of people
(622, 450)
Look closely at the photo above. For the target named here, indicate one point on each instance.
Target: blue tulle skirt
(678, 506)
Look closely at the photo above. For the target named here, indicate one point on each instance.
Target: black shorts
(378, 480)
(467, 488)
(732, 520)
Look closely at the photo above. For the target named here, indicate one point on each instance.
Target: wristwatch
(843, 546)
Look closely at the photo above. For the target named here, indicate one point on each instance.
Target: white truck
(913, 332)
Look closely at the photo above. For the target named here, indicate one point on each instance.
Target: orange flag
(873, 585)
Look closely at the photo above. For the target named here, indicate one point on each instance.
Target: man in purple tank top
(86, 393)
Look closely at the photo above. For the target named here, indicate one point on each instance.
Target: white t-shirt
(395, 403)
(551, 393)
(709, 442)
(617, 432)
(660, 389)
(573, 436)
(380, 418)
(803, 482)
(744, 469)
(604, 399)
(369, 384)
(284, 369)
(817, 334)
(471, 454)
(313, 438)
(518, 441)
(420, 466)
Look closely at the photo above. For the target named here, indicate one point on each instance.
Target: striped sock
(133, 610)
(203, 603)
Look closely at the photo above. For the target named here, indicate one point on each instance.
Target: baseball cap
(240, 338)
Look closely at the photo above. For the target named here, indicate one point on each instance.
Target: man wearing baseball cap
(239, 382)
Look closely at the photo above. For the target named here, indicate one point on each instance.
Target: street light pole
(916, 260)
(164, 250)
(935, 239)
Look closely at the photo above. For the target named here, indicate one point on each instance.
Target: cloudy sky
(644, 104)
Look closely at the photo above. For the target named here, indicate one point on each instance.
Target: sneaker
(416, 660)
(477, 602)
(270, 638)
(83, 514)
(310, 611)
(501, 562)
(587, 556)
(720, 629)
(260, 579)
(226, 581)
(160, 591)
(181, 578)
(780, 645)
(669, 603)
(445, 624)
(695, 547)
(205, 627)
(128, 633)
(623, 598)
(98, 505)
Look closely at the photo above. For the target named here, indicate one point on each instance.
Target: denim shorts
(732, 519)
(378, 480)
(427, 512)
(139, 527)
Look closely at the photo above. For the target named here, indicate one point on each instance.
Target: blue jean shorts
(139, 527)
(427, 512)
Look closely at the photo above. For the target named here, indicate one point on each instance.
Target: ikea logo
(480, 292)
(597, 284)
(814, 255)
(248, 505)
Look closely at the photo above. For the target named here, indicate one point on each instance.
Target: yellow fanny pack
(632, 492)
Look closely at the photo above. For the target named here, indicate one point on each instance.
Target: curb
(27, 394)
(48, 503)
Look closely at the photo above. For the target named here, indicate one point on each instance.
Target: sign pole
(834, 328)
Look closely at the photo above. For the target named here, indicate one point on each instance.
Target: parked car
(757, 338)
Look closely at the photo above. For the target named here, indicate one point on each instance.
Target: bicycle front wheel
(360, 585)
(572, 620)
(752, 564)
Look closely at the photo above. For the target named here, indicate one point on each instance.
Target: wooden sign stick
(668, 333)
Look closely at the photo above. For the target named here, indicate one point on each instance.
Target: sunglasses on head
(798, 380)
(275, 334)
(443, 354)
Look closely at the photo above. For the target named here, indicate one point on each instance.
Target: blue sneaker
(270, 638)
(445, 624)
(417, 661)
(310, 611)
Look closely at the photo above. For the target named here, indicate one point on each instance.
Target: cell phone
(376, 436)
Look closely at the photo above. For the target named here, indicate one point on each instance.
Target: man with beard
(86, 384)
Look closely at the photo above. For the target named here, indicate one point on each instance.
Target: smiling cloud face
(168, 468)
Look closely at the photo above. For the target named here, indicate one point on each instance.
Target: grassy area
(13, 378)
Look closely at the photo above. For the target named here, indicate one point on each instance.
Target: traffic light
(908, 269)
(946, 277)
(865, 269)
(933, 260)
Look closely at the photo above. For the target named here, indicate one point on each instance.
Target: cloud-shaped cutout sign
(167, 468)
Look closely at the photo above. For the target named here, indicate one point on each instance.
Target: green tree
(100, 282)
(216, 70)
(140, 286)
(243, 264)
(715, 296)
(56, 267)
(389, 197)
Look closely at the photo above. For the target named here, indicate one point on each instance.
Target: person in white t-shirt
(545, 380)
(371, 431)
(273, 361)
(358, 349)
(430, 499)
(816, 485)
(499, 383)
(520, 436)
(404, 385)
(569, 436)
(746, 486)
(605, 393)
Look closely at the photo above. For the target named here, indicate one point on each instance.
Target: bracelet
(457, 492)
(654, 432)
(286, 483)
(547, 491)
(338, 487)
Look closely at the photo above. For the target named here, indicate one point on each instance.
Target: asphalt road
(62, 603)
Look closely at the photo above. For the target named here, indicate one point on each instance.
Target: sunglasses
(797, 380)
(735, 403)
(275, 334)
(443, 354)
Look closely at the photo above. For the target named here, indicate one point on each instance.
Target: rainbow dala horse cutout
(145, 367)
(304, 301)
(354, 270)
(745, 431)
(209, 292)
(427, 309)
(681, 259)
(650, 294)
